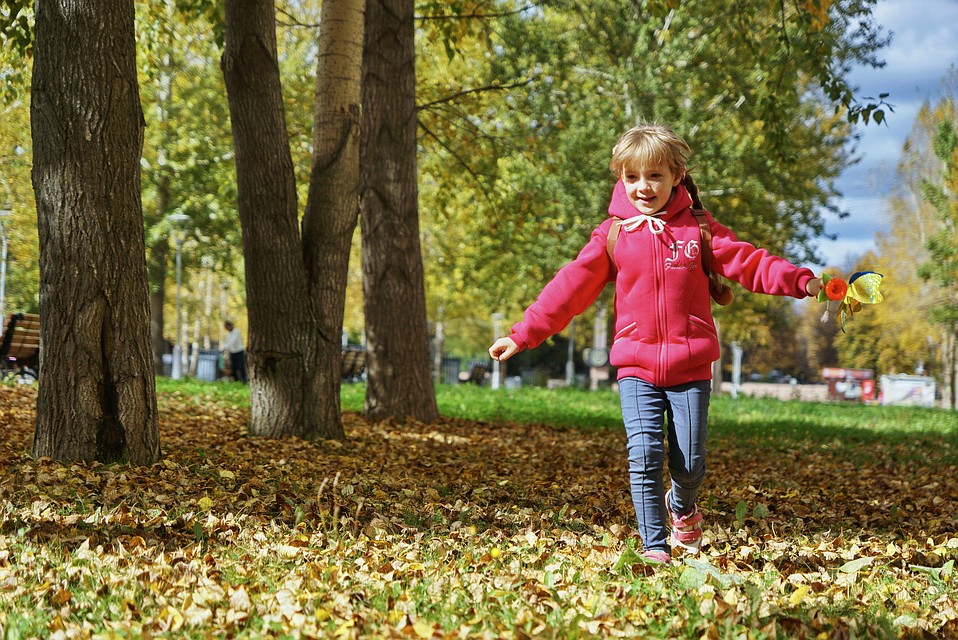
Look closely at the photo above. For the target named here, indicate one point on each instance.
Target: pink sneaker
(687, 529)
(656, 556)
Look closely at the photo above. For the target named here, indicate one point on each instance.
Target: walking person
(233, 346)
(665, 339)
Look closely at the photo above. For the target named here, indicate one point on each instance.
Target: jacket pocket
(623, 332)
(700, 326)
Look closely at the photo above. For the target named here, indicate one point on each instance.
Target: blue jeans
(644, 410)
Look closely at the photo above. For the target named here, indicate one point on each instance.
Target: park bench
(478, 372)
(354, 364)
(20, 346)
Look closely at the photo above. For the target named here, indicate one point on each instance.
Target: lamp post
(736, 369)
(5, 212)
(497, 319)
(570, 355)
(178, 232)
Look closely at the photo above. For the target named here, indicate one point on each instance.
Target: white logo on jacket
(685, 255)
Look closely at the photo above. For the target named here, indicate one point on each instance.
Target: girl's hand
(813, 286)
(503, 349)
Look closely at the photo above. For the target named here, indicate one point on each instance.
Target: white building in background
(917, 391)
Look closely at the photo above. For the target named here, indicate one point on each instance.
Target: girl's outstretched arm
(503, 349)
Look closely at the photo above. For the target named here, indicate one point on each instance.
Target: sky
(924, 47)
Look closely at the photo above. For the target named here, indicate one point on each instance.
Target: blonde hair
(650, 144)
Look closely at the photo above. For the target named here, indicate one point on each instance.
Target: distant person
(665, 340)
(237, 352)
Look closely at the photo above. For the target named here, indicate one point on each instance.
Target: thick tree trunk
(399, 380)
(97, 398)
(333, 205)
(290, 389)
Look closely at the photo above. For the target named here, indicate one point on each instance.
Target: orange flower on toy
(862, 287)
(835, 289)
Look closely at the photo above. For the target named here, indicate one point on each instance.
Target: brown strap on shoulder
(610, 242)
(706, 233)
(720, 292)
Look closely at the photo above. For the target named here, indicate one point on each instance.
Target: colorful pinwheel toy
(861, 288)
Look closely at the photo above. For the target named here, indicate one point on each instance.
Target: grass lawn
(510, 517)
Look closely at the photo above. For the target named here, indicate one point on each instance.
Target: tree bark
(399, 381)
(97, 398)
(332, 208)
(159, 253)
(156, 269)
(292, 391)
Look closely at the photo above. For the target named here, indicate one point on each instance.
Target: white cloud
(923, 49)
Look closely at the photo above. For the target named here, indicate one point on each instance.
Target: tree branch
(470, 16)
(459, 159)
(460, 94)
(293, 20)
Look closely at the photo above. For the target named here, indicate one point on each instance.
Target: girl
(665, 340)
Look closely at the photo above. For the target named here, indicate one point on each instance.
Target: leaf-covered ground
(467, 529)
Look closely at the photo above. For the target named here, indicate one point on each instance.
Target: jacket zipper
(661, 313)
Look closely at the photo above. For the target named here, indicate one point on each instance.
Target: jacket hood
(621, 208)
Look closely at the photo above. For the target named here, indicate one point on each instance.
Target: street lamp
(178, 231)
(570, 357)
(497, 319)
(5, 212)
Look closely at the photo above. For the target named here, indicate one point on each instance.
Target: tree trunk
(97, 398)
(156, 269)
(399, 381)
(952, 359)
(290, 389)
(333, 205)
(159, 253)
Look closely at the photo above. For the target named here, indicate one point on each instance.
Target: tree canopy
(518, 107)
(515, 174)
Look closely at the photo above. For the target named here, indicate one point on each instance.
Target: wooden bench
(354, 364)
(478, 372)
(20, 345)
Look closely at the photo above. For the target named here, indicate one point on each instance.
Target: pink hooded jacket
(664, 332)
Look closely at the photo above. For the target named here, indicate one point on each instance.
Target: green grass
(764, 421)
(754, 418)
(226, 394)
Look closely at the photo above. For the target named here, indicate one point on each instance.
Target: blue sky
(923, 48)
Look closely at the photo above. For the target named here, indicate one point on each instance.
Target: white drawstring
(656, 225)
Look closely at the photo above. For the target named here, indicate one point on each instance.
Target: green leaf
(723, 580)
(855, 566)
(628, 558)
(740, 510)
(692, 578)
(936, 572)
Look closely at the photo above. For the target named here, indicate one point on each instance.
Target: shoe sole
(692, 548)
(689, 548)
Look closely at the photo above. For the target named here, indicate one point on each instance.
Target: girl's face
(650, 187)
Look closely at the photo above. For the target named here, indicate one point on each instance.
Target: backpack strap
(718, 289)
(706, 234)
(610, 242)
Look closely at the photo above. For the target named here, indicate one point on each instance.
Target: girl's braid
(693, 190)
